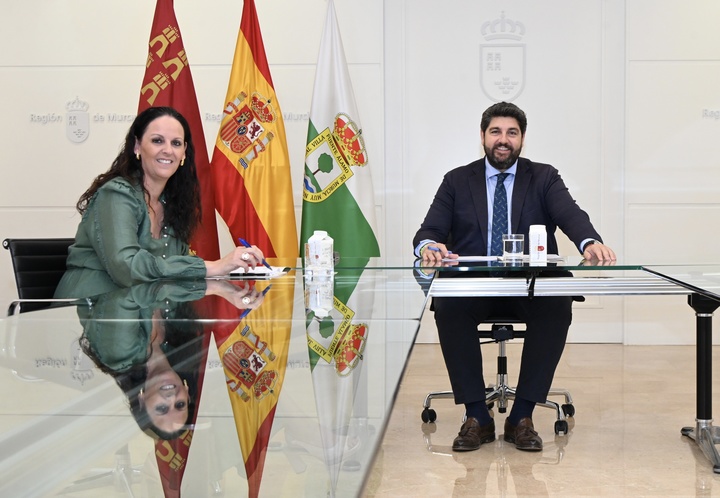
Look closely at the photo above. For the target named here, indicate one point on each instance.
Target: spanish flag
(254, 354)
(250, 162)
(168, 82)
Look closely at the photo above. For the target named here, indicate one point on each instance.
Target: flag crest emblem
(243, 130)
(332, 154)
(245, 367)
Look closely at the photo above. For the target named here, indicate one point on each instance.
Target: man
(461, 219)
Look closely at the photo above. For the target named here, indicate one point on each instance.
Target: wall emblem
(77, 128)
(502, 61)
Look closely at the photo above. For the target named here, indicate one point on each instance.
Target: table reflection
(232, 383)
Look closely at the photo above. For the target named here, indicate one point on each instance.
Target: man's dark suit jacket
(458, 216)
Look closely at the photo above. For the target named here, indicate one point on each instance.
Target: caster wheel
(428, 415)
(568, 410)
(561, 427)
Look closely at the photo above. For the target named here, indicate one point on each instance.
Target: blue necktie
(500, 216)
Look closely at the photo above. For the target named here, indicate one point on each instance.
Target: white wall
(621, 96)
(672, 169)
(57, 51)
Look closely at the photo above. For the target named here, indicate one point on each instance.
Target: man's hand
(435, 253)
(599, 252)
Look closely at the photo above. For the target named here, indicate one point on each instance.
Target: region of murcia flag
(168, 82)
(337, 186)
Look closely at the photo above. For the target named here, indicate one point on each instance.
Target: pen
(437, 249)
(246, 244)
(248, 310)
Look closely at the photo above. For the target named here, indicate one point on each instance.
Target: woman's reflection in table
(148, 339)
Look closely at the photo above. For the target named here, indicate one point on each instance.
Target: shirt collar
(492, 171)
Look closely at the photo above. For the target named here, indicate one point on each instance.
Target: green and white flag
(337, 187)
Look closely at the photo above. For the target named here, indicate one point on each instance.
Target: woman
(139, 215)
(146, 337)
(150, 339)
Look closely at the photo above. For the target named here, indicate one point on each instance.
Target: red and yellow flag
(172, 455)
(254, 354)
(168, 82)
(250, 162)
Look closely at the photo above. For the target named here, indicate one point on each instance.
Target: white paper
(525, 259)
(260, 272)
(472, 258)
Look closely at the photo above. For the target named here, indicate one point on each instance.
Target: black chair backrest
(39, 264)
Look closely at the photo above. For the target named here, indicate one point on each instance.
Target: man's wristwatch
(589, 242)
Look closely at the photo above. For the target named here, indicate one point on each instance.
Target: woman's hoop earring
(137, 155)
(142, 392)
(182, 162)
(185, 382)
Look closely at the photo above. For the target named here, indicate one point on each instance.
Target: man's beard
(501, 165)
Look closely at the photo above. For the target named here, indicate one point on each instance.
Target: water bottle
(538, 244)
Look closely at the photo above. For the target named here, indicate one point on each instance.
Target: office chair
(38, 264)
(502, 330)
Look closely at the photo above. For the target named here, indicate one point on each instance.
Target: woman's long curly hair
(185, 352)
(182, 191)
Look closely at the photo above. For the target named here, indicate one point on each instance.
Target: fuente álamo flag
(168, 82)
(336, 349)
(250, 163)
(337, 188)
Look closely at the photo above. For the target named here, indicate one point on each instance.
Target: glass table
(577, 277)
(202, 388)
(290, 381)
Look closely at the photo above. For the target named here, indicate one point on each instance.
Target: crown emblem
(262, 109)
(503, 28)
(349, 140)
(77, 105)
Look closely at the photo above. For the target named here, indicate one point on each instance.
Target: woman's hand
(241, 257)
(239, 294)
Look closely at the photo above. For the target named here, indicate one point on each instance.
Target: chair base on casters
(500, 393)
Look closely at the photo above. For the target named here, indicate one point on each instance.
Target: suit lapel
(520, 189)
(478, 190)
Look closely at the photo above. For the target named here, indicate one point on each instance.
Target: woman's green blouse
(114, 246)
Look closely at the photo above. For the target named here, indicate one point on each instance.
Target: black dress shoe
(472, 435)
(523, 435)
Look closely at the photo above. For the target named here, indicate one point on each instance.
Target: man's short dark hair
(504, 110)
